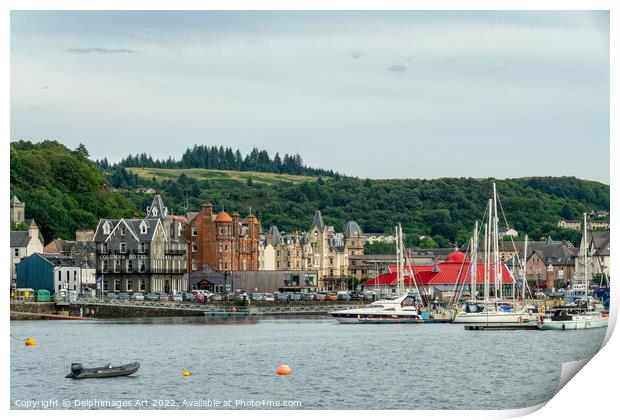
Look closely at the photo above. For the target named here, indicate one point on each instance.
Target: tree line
(214, 157)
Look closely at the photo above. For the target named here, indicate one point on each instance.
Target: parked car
(307, 296)
(343, 296)
(164, 297)
(189, 297)
(268, 297)
(217, 296)
(372, 296)
(331, 296)
(256, 297)
(357, 295)
(320, 296)
(282, 296)
(123, 296)
(152, 296)
(199, 298)
(294, 296)
(137, 296)
(110, 296)
(176, 297)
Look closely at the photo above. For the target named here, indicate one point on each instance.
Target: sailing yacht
(489, 311)
(581, 315)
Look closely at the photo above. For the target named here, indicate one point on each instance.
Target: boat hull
(575, 324)
(105, 372)
(504, 318)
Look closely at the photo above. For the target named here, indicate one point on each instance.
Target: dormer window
(155, 211)
(144, 228)
(106, 228)
(122, 229)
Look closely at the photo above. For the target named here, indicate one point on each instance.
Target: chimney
(207, 208)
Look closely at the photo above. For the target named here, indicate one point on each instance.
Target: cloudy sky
(370, 94)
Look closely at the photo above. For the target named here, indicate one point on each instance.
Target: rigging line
(508, 227)
(456, 284)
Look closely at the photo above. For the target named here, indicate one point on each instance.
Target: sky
(368, 94)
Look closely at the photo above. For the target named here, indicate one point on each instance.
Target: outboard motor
(76, 367)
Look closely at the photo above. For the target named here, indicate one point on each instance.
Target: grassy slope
(214, 174)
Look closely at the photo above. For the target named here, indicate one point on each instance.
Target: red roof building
(454, 270)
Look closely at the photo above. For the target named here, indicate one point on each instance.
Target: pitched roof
(158, 203)
(275, 236)
(59, 246)
(600, 241)
(19, 238)
(15, 200)
(446, 273)
(352, 229)
(318, 221)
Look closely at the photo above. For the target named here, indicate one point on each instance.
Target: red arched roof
(223, 217)
(455, 257)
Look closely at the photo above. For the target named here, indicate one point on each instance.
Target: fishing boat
(108, 371)
(489, 311)
(576, 316)
(402, 310)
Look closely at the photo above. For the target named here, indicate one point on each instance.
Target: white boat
(481, 313)
(577, 316)
(402, 310)
(572, 318)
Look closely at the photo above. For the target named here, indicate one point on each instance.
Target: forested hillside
(63, 190)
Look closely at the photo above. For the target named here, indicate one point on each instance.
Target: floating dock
(499, 327)
(34, 315)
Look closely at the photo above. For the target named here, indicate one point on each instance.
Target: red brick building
(224, 242)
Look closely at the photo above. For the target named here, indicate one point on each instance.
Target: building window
(104, 248)
(117, 266)
(117, 285)
(142, 267)
(194, 266)
(143, 228)
(194, 247)
(16, 252)
(142, 285)
(122, 229)
(129, 266)
(194, 232)
(123, 247)
(142, 247)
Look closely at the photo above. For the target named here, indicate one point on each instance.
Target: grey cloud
(398, 68)
(100, 51)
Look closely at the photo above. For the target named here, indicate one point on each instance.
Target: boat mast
(585, 257)
(498, 283)
(473, 265)
(523, 270)
(402, 258)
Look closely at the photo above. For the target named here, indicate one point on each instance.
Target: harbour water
(433, 366)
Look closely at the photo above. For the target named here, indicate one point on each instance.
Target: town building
(569, 224)
(385, 238)
(53, 272)
(320, 249)
(18, 211)
(146, 255)
(221, 241)
(274, 281)
(550, 264)
(598, 251)
(24, 244)
(439, 279)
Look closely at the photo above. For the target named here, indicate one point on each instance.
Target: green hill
(63, 190)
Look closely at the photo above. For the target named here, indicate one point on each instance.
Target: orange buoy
(187, 373)
(30, 342)
(284, 370)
